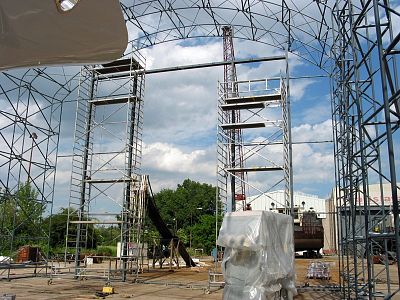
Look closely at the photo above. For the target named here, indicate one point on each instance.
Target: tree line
(188, 211)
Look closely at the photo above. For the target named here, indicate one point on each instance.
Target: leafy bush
(106, 251)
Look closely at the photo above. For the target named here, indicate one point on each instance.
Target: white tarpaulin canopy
(59, 32)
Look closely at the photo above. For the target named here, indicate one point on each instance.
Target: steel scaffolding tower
(29, 136)
(106, 187)
(366, 118)
(262, 154)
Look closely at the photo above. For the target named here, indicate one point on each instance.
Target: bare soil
(182, 283)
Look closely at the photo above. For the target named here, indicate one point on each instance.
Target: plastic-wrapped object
(259, 254)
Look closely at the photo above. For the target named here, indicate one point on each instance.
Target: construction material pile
(318, 270)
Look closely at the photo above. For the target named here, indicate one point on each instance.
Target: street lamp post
(176, 226)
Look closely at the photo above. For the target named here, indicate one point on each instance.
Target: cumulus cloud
(174, 54)
(299, 87)
(181, 106)
(180, 117)
(313, 163)
(169, 158)
(312, 132)
(318, 112)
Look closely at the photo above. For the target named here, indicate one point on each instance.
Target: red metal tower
(235, 156)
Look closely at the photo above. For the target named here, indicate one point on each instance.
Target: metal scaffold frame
(30, 126)
(106, 186)
(253, 135)
(355, 42)
(364, 88)
(365, 118)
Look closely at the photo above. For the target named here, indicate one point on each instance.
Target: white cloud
(299, 87)
(313, 163)
(174, 54)
(63, 175)
(316, 132)
(169, 158)
(318, 112)
(180, 119)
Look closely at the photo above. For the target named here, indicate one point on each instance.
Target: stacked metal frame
(366, 118)
(30, 119)
(106, 187)
(264, 155)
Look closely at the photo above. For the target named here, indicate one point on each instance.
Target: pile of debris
(318, 270)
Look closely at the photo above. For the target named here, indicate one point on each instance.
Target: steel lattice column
(365, 114)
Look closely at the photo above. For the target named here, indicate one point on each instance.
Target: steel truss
(106, 187)
(269, 22)
(235, 144)
(365, 110)
(353, 41)
(30, 124)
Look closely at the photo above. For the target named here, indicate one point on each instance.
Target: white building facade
(276, 201)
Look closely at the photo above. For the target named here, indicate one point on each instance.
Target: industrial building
(380, 216)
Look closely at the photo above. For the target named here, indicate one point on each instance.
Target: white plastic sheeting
(259, 255)
(5, 259)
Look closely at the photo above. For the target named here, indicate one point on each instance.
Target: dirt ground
(157, 283)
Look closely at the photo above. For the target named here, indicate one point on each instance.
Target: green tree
(108, 235)
(183, 235)
(187, 203)
(6, 213)
(192, 202)
(29, 211)
(150, 235)
(7, 208)
(59, 229)
(21, 216)
(203, 233)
